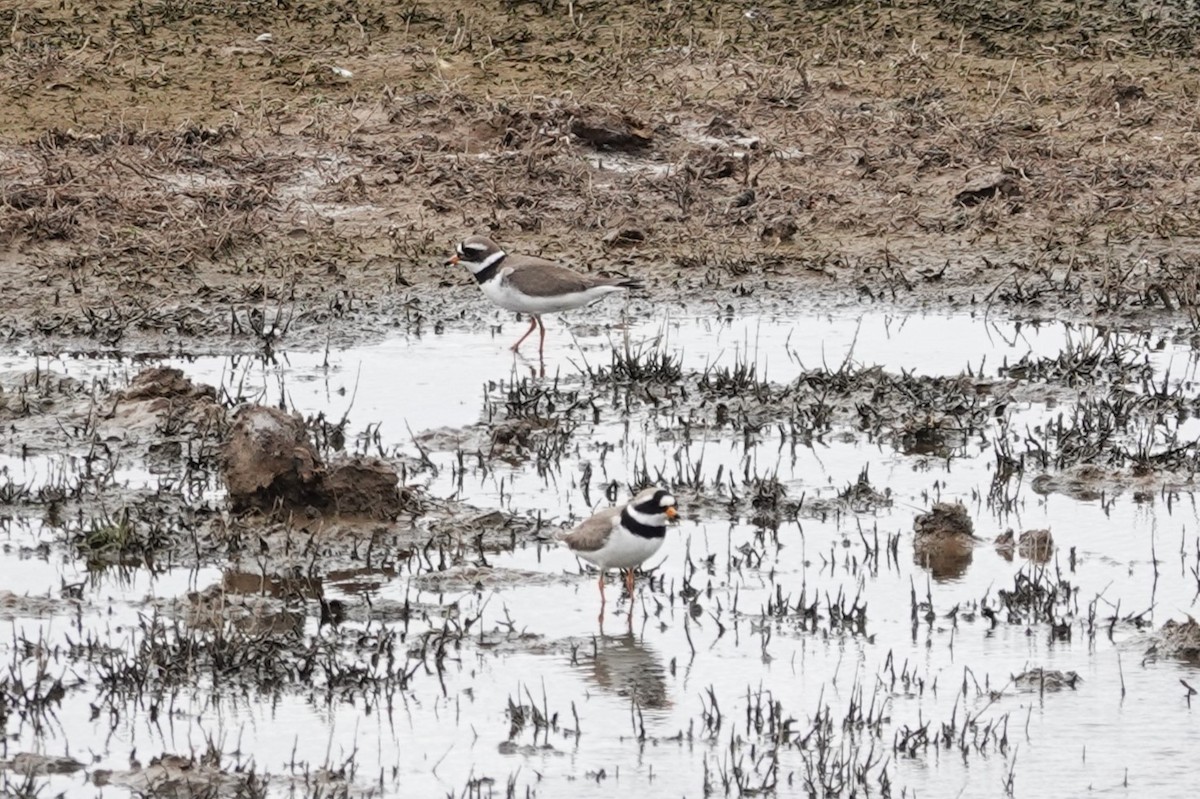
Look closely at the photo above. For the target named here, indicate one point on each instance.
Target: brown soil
(1035, 545)
(271, 465)
(1179, 639)
(944, 540)
(177, 775)
(1038, 679)
(29, 764)
(166, 177)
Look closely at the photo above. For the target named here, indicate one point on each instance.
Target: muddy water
(666, 702)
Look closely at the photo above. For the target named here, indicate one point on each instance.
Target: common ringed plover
(529, 285)
(625, 536)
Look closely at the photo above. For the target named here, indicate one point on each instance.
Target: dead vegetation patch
(31, 764)
(23, 606)
(901, 152)
(180, 775)
(1010, 27)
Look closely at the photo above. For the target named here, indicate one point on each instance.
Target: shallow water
(641, 689)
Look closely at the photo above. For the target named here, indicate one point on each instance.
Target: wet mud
(916, 352)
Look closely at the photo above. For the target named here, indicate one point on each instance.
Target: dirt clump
(515, 435)
(1179, 639)
(174, 775)
(364, 487)
(165, 383)
(214, 608)
(986, 188)
(269, 459)
(271, 465)
(1035, 545)
(624, 237)
(611, 131)
(34, 392)
(162, 399)
(944, 540)
(16, 605)
(780, 230)
(1039, 679)
(30, 764)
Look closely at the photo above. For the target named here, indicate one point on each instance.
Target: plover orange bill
(529, 285)
(623, 537)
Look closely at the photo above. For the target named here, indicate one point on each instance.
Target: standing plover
(529, 285)
(625, 536)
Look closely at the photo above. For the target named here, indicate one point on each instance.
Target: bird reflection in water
(625, 666)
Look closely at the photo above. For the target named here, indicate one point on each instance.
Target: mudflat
(916, 352)
(173, 170)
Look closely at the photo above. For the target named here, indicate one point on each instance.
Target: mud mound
(1180, 639)
(611, 131)
(29, 393)
(269, 460)
(164, 382)
(947, 520)
(1035, 545)
(271, 465)
(175, 775)
(162, 399)
(1038, 679)
(364, 487)
(944, 540)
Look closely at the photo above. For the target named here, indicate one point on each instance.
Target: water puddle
(802, 622)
